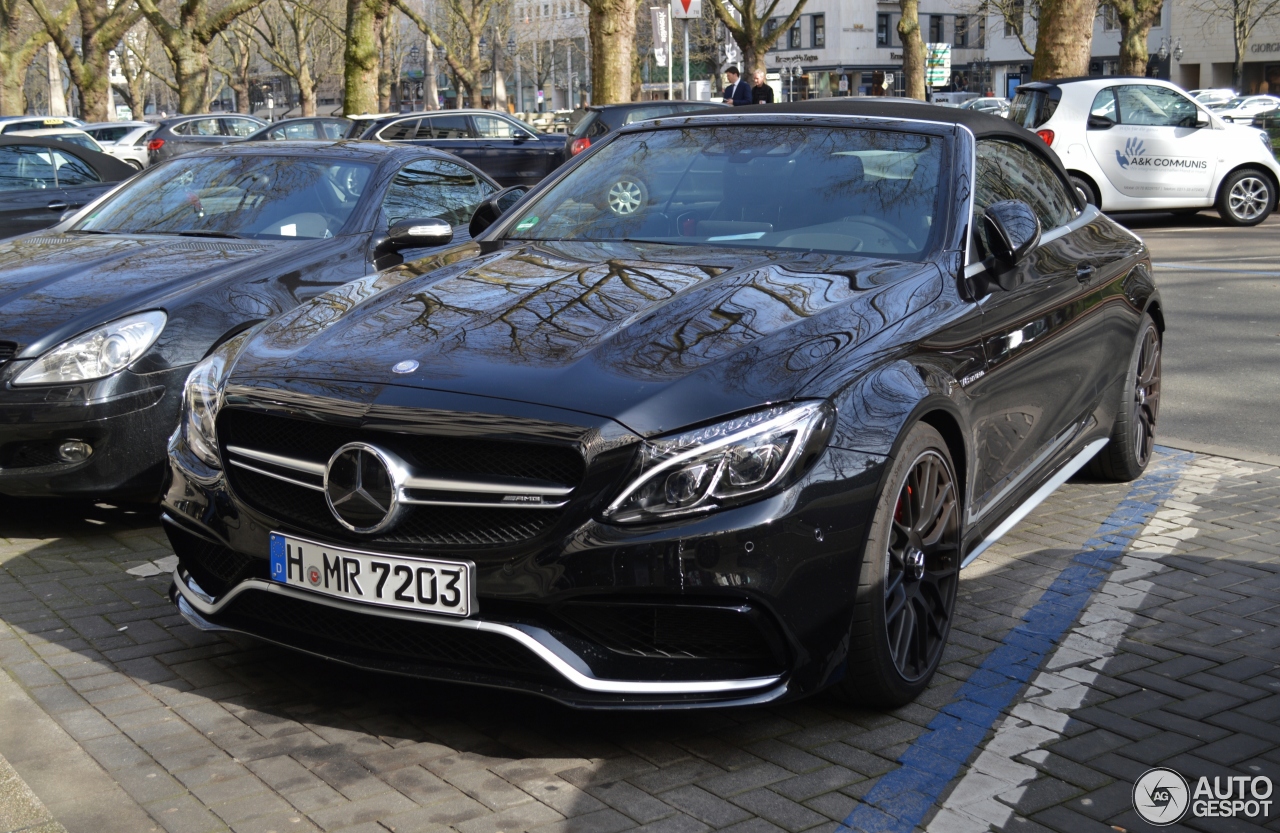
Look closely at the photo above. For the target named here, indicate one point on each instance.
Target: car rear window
(1032, 108)
(584, 120)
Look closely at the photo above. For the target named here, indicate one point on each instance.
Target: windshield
(1231, 104)
(802, 188)
(236, 196)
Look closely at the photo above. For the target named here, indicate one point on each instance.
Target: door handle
(1084, 272)
(58, 206)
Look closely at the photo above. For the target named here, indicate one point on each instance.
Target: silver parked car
(125, 140)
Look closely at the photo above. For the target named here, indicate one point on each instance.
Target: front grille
(29, 455)
(670, 630)
(444, 455)
(302, 623)
(307, 510)
(439, 526)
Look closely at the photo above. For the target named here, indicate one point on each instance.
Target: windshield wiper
(225, 234)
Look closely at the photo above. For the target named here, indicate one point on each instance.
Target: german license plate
(422, 584)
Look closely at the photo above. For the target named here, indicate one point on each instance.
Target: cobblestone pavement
(1117, 628)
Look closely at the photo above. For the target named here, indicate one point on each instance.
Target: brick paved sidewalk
(121, 717)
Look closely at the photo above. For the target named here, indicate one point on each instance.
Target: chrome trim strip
(548, 653)
(281, 477)
(482, 505)
(1074, 465)
(443, 484)
(276, 460)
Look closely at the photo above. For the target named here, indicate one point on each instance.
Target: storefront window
(819, 31)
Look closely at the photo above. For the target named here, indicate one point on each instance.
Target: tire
(891, 660)
(627, 195)
(1133, 433)
(1246, 198)
(1090, 195)
(133, 163)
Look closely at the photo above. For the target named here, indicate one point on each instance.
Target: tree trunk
(191, 71)
(360, 74)
(912, 49)
(430, 90)
(56, 99)
(612, 25)
(306, 89)
(1063, 39)
(1133, 47)
(386, 76)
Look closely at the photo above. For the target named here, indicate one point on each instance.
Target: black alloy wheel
(910, 573)
(1133, 436)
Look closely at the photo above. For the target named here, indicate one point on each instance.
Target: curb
(1246, 455)
(58, 774)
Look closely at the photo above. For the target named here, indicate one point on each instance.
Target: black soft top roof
(982, 125)
(108, 167)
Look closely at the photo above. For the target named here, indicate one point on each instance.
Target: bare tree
(239, 46)
(299, 40)
(89, 60)
(1243, 16)
(1064, 37)
(188, 34)
(748, 24)
(19, 43)
(134, 91)
(1014, 14)
(468, 20)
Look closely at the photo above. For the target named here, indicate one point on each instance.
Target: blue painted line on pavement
(900, 799)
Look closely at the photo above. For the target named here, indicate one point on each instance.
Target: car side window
(1154, 106)
(73, 171)
(488, 127)
(1009, 170)
(399, 131)
(298, 130)
(23, 168)
(200, 127)
(144, 138)
(240, 127)
(333, 129)
(1104, 105)
(434, 188)
(445, 127)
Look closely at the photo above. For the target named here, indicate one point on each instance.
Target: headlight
(202, 398)
(96, 354)
(720, 465)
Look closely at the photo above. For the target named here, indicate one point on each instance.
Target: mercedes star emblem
(362, 486)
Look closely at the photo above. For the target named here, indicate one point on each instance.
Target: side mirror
(1202, 118)
(1012, 232)
(410, 234)
(1099, 123)
(499, 203)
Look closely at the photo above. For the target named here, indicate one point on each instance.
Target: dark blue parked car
(506, 149)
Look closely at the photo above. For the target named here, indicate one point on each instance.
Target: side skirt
(1064, 474)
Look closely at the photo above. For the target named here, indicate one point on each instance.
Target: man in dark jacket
(737, 93)
(761, 93)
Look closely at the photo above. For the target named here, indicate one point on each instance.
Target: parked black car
(302, 128)
(183, 134)
(506, 149)
(102, 317)
(592, 124)
(41, 179)
(733, 446)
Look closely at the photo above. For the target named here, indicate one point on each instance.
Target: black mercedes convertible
(714, 415)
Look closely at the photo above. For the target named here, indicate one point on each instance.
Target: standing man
(737, 93)
(761, 93)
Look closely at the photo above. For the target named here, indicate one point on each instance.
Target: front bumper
(126, 419)
(785, 567)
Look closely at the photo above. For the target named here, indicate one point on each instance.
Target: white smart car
(1140, 144)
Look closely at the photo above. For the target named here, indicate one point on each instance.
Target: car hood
(655, 337)
(54, 286)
